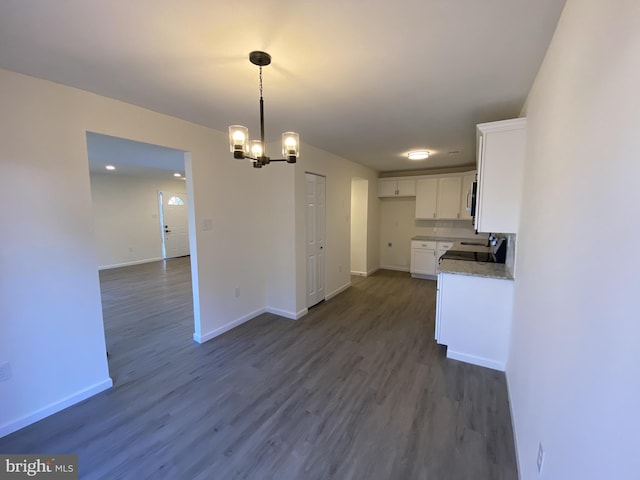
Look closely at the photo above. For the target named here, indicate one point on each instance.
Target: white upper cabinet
(397, 187)
(501, 153)
(465, 200)
(448, 205)
(441, 197)
(426, 198)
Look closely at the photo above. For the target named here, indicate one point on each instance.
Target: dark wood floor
(357, 389)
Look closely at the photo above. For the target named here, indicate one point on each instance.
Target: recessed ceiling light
(418, 155)
(177, 174)
(110, 167)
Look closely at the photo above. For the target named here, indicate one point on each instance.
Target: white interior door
(175, 224)
(315, 239)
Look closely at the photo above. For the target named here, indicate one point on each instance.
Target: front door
(315, 239)
(175, 224)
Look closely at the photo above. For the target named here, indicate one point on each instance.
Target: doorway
(146, 291)
(174, 224)
(359, 215)
(315, 238)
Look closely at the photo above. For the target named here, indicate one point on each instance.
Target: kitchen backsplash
(447, 228)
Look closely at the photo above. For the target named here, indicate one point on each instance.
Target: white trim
(337, 291)
(284, 313)
(225, 328)
(365, 274)
(424, 276)
(126, 264)
(513, 422)
(483, 362)
(397, 269)
(55, 407)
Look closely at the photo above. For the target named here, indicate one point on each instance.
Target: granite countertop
(475, 269)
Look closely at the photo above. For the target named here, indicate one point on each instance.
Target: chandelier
(255, 150)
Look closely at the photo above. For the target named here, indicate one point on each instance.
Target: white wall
(339, 172)
(126, 217)
(51, 328)
(398, 225)
(574, 368)
(359, 219)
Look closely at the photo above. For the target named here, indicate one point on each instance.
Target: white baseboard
(55, 407)
(364, 274)
(225, 328)
(393, 267)
(245, 318)
(481, 361)
(127, 264)
(338, 291)
(285, 313)
(513, 422)
(424, 277)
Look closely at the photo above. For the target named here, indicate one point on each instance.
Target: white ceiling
(366, 80)
(132, 158)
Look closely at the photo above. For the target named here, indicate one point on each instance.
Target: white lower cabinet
(423, 258)
(473, 318)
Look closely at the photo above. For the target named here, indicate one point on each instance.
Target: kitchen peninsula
(473, 309)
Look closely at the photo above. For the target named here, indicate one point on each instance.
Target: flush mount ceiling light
(418, 155)
(110, 167)
(255, 150)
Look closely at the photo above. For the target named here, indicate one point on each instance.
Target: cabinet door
(387, 188)
(423, 262)
(448, 205)
(426, 198)
(407, 187)
(501, 152)
(438, 308)
(465, 200)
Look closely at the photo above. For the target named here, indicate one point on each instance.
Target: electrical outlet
(237, 292)
(5, 371)
(540, 458)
